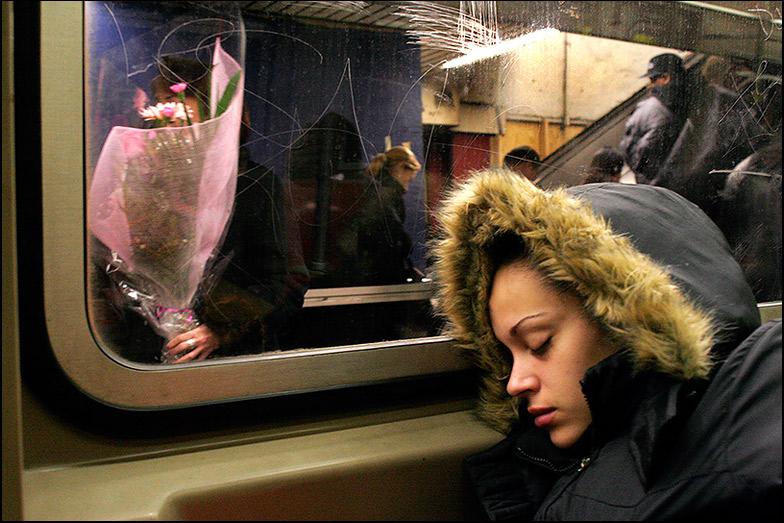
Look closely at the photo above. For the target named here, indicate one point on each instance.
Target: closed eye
(541, 349)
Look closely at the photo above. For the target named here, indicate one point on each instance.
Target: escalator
(564, 166)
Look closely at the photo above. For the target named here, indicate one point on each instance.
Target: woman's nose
(521, 380)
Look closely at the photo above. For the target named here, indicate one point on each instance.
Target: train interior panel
(218, 300)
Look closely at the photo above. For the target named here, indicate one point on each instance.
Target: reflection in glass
(330, 86)
(160, 199)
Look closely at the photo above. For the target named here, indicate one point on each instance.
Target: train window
(322, 228)
(253, 182)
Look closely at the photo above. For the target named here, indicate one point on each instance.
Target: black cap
(664, 63)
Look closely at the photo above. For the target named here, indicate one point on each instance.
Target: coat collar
(647, 405)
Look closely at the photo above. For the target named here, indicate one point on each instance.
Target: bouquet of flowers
(161, 199)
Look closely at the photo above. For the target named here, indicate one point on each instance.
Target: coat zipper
(583, 463)
(553, 498)
(549, 464)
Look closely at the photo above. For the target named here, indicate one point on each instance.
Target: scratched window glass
(261, 176)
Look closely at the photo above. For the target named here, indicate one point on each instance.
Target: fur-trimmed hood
(651, 268)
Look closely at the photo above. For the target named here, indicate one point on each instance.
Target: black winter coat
(750, 217)
(261, 277)
(688, 452)
(375, 248)
(686, 418)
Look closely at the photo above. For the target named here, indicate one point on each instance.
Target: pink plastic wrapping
(161, 200)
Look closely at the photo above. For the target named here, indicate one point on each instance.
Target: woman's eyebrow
(520, 324)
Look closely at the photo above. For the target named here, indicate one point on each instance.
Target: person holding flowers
(161, 199)
(264, 278)
(255, 277)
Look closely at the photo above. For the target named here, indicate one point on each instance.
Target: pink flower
(173, 111)
(178, 88)
(152, 112)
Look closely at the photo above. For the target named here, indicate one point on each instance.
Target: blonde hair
(384, 162)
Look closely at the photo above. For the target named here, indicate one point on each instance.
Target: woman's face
(552, 343)
(403, 174)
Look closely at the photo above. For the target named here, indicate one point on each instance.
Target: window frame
(138, 386)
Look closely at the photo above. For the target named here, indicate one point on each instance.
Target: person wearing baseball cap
(653, 127)
(662, 64)
(668, 78)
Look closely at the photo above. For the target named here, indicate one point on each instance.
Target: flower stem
(181, 96)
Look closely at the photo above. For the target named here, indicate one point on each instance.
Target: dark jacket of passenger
(686, 417)
(677, 146)
(376, 249)
(261, 278)
(749, 215)
(650, 133)
(720, 131)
